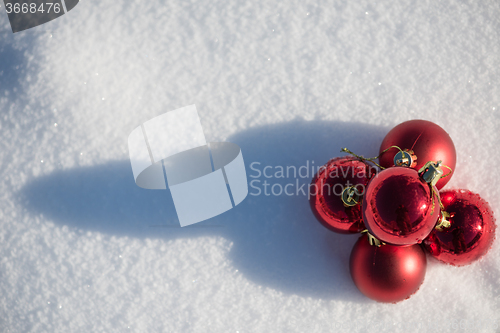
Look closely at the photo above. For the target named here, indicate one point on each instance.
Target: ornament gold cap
(405, 158)
(432, 172)
(372, 240)
(443, 222)
(351, 196)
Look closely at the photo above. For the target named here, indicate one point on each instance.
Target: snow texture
(83, 249)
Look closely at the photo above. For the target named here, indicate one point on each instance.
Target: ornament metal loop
(432, 172)
(372, 240)
(351, 196)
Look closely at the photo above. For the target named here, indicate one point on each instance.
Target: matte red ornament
(471, 232)
(398, 207)
(387, 273)
(326, 194)
(428, 141)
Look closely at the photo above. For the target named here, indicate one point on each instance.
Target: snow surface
(83, 249)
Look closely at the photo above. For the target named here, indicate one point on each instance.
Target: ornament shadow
(277, 242)
(13, 63)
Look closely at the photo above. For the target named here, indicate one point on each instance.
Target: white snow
(83, 249)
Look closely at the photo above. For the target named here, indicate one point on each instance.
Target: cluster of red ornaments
(396, 206)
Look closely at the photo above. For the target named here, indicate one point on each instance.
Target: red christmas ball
(387, 273)
(325, 195)
(471, 232)
(428, 141)
(398, 207)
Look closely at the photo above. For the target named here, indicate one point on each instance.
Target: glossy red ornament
(326, 194)
(428, 141)
(398, 208)
(471, 232)
(387, 273)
